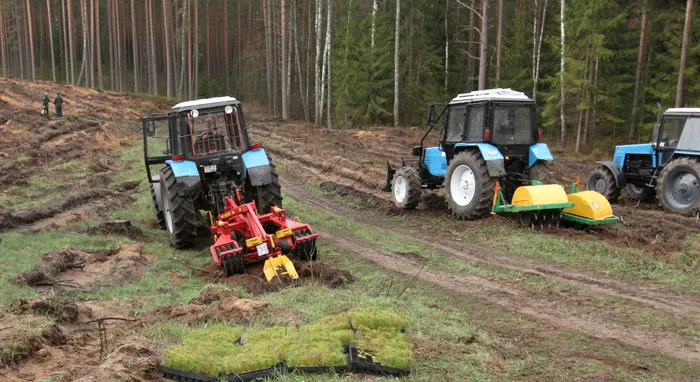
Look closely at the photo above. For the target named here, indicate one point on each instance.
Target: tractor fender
(155, 183)
(257, 167)
(495, 163)
(539, 151)
(617, 173)
(186, 175)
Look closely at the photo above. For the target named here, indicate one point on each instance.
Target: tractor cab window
(671, 133)
(690, 137)
(157, 135)
(475, 123)
(455, 124)
(215, 132)
(513, 124)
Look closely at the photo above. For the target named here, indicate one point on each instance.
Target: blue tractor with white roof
(667, 168)
(196, 156)
(486, 136)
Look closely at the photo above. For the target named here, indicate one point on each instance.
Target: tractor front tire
(541, 172)
(469, 186)
(155, 195)
(601, 180)
(406, 188)
(639, 193)
(678, 187)
(268, 195)
(179, 213)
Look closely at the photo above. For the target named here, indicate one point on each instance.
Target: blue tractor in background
(486, 136)
(668, 167)
(196, 156)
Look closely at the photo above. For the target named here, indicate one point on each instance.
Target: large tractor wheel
(469, 186)
(602, 181)
(179, 212)
(406, 188)
(678, 187)
(268, 195)
(639, 193)
(540, 171)
(157, 201)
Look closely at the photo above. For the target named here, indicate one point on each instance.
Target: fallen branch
(191, 267)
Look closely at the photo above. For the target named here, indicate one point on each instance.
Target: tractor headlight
(194, 113)
(228, 109)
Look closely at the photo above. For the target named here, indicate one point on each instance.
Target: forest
(596, 68)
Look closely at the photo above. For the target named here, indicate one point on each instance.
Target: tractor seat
(209, 143)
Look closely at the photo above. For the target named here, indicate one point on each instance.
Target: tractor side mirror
(431, 114)
(655, 134)
(417, 151)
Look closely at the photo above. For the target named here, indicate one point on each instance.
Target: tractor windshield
(681, 132)
(513, 124)
(215, 132)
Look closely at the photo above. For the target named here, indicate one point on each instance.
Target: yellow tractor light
(253, 241)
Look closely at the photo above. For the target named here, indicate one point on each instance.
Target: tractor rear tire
(268, 195)
(179, 212)
(469, 186)
(640, 193)
(540, 171)
(155, 194)
(406, 188)
(233, 265)
(601, 180)
(678, 187)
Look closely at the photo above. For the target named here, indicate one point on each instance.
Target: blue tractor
(668, 167)
(196, 156)
(486, 136)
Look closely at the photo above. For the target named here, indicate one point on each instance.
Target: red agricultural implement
(242, 237)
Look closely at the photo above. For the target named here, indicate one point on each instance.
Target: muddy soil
(352, 162)
(70, 268)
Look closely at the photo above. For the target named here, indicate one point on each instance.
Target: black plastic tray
(185, 376)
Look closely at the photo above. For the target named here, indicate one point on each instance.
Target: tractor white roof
(683, 110)
(491, 95)
(205, 103)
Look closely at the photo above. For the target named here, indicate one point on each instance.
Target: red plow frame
(242, 236)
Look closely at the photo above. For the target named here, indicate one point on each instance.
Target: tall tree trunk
(591, 129)
(98, 59)
(65, 41)
(296, 53)
(317, 72)
(268, 54)
(329, 50)
(53, 57)
(375, 8)
(93, 5)
(168, 53)
(470, 47)
(3, 44)
(30, 26)
(483, 60)
(499, 42)
(196, 48)
(112, 53)
(226, 49)
(447, 46)
(238, 35)
(71, 42)
(84, 22)
(684, 53)
(285, 111)
(135, 49)
(189, 54)
(396, 63)
(562, 71)
(534, 50)
(326, 61)
(154, 56)
(19, 21)
(539, 48)
(183, 50)
(582, 98)
(592, 73)
(639, 72)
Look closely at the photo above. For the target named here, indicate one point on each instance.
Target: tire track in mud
(554, 313)
(683, 305)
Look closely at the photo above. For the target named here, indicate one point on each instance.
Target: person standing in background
(58, 102)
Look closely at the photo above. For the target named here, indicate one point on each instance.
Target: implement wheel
(268, 195)
(233, 265)
(178, 210)
(639, 193)
(679, 187)
(469, 186)
(157, 201)
(602, 181)
(406, 188)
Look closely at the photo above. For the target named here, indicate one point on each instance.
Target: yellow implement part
(539, 195)
(253, 241)
(589, 204)
(279, 266)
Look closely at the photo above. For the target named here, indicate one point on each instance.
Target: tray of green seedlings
(235, 353)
